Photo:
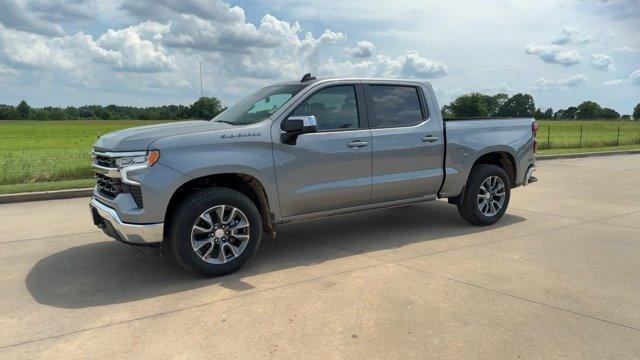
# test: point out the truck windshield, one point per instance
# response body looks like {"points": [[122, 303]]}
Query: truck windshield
{"points": [[259, 105]]}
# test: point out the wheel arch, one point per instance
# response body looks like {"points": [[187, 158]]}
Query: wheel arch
{"points": [[501, 158], [241, 182]]}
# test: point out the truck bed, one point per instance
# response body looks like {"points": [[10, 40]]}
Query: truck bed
{"points": [[468, 139]]}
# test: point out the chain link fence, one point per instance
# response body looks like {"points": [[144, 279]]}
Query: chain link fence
{"points": [[586, 135]]}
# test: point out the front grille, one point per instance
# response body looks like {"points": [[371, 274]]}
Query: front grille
{"points": [[109, 186], [112, 187]]}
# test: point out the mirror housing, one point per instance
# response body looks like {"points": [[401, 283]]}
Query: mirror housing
{"points": [[295, 126]]}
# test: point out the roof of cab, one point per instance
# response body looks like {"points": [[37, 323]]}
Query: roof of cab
{"points": [[323, 80]]}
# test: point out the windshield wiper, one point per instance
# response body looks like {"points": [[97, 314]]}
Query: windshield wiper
{"points": [[226, 122]]}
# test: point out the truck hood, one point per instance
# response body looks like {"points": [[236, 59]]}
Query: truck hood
{"points": [[139, 138]]}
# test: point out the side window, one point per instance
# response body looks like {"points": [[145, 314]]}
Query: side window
{"points": [[335, 108], [395, 106]]}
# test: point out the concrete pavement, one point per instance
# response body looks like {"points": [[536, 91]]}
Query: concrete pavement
{"points": [[556, 278]]}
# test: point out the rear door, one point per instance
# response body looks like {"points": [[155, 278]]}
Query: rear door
{"points": [[407, 142], [330, 169]]}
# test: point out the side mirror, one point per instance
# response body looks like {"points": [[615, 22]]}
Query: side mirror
{"points": [[295, 126]]}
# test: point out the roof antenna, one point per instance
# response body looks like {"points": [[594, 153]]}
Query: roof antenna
{"points": [[201, 92], [307, 77]]}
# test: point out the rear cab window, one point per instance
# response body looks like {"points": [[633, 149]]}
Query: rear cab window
{"points": [[394, 105]]}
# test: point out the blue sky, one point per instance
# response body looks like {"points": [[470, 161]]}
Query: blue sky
{"points": [[143, 52]]}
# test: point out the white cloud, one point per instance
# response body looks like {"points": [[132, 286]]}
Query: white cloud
{"points": [[613, 82], [553, 54], [600, 61], [410, 65], [616, 9], [64, 10], [16, 15], [363, 50], [504, 87], [543, 84], [190, 31], [164, 10], [626, 49], [7, 70], [634, 78], [415, 66], [570, 35], [135, 48]]}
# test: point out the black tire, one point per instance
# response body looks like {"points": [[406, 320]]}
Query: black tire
{"points": [[469, 209], [189, 211]]}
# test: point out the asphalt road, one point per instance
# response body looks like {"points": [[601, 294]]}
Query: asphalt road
{"points": [[558, 277]]}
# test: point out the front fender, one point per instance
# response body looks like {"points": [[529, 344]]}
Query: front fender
{"points": [[197, 157]]}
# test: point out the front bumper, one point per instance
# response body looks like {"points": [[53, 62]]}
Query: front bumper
{"points": [[108, 220]]}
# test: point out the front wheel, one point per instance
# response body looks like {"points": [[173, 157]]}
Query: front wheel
{"points": [[215, 231], [486, 195]]}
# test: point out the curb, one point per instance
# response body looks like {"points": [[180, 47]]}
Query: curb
{"points": [[45, 195], [587, 154]]}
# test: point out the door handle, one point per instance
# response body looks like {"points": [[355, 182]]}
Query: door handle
{"points": [[357, 144], [430, 138]]}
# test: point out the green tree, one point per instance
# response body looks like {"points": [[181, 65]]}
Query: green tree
{"points": [[520, 105], [548, 114], [23, 109], [7, 112], [588, 110], [446, 111], [570, 113], [538, 114], [206, 108], [636, 112], [607, 113], [495, 102], [469, 105]]}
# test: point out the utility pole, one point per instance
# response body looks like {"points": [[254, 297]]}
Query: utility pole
{"points": [[201, 91]]}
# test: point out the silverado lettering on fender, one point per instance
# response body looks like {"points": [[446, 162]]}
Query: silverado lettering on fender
{"points": [[207, 191]]}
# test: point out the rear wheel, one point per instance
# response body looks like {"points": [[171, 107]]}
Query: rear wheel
{"points": [[215, 231], [486, 195]]}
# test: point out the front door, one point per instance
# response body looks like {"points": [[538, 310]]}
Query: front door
{"points": [[330, 169]]}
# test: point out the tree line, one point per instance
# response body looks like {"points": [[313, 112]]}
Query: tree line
{"points": [[523, 105], [469, 105], [203, 108]]}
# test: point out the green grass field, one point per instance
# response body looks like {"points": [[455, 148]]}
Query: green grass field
{"points": [[45, 151], [595, 134], [49, 155]]}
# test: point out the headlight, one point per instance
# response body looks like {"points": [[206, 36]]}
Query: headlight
{"points": [[144, 160]]}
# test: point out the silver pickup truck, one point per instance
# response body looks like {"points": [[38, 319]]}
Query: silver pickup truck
{"points": [[207, 191]]}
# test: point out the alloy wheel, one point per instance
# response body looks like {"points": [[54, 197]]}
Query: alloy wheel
{"points": [[491, 196], [220, 234]]}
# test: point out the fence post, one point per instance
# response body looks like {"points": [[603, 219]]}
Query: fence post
{"points": [[549, 137], [581, 136], [618, 139]]}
